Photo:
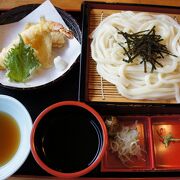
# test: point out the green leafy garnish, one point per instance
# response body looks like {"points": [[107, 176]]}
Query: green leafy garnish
{"points": [[166, 139], [21, 61]]}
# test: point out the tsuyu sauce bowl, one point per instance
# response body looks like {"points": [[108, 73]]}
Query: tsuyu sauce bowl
{"points": [[68, 139]]}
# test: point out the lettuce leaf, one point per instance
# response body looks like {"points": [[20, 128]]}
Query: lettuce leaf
{"points": [[21, 61]]}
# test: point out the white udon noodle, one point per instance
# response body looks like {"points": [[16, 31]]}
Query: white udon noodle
{"points": [[129, 78]]}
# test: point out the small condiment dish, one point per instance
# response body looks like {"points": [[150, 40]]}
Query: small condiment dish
{"points": [[15, 109]]}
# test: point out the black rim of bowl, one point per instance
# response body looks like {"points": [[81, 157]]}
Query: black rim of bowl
{"points": [[20, 12]]}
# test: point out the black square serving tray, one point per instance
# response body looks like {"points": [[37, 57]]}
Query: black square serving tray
{"points": [[73, 87], [90, 87]]}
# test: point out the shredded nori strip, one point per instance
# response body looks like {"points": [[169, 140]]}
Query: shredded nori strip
{"points": [[145, 44]]}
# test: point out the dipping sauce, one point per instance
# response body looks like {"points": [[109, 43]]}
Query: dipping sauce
{"points": [[9, 137], [68, 139]]}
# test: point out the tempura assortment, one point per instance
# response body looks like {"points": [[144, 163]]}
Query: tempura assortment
{"points": [[33, 49]]}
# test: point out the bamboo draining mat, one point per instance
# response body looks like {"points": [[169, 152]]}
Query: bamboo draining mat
{"points": [[98, 89]]}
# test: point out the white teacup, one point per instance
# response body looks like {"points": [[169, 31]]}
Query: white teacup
{"points": [[16, 109]]}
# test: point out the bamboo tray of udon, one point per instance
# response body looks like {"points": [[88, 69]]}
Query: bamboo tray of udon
{"points": [[93, 88]]}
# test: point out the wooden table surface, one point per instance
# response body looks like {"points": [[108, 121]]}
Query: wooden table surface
{"points": [[75, 5]]}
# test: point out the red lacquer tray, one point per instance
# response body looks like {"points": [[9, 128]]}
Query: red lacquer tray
{"points": [[166, 157], [152, 130], [111, 163]]}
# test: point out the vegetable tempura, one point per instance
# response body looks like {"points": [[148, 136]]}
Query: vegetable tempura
{"points": [[41, 36]]}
